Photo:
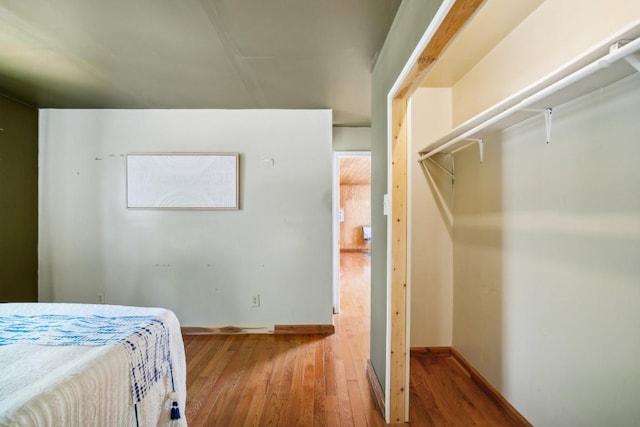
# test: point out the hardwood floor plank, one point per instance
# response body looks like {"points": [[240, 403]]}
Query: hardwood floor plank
{"points": [[330, 367], [423, 410], [445, 394], [470, 402], [280, 384], [200, 351], [260, 386], [217, 395], [246, 386], [344, 404], [319, 389], [253, 395], [228, 402], [199, 387], [357, 409], [333, 412], [308, 384]]}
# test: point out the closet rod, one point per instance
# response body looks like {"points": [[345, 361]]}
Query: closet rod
{"points": [[614, 55]]}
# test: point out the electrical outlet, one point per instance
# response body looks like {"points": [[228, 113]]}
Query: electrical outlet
{"points": [[100, 298], [255, 300]]}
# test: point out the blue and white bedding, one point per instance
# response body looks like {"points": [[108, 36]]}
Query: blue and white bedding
{"points": [[82, 365]]}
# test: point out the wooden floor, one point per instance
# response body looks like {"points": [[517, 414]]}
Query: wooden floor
{"points": [[442, 394], [290, 381]]}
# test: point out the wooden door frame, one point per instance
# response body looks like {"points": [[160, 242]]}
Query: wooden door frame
{"points": [[449, 19]]}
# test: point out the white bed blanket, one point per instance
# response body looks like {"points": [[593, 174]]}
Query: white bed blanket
{"points": [[85, 385]]}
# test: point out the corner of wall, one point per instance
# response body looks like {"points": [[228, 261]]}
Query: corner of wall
{"points": [[351, 138]]}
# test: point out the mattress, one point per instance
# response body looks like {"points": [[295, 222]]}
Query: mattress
{"points": [[84, 364]]}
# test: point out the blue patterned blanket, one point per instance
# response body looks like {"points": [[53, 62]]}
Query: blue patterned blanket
{"points": [[145, 338]]}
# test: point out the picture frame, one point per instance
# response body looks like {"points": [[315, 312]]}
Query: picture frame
{"points": [[183, 181]]}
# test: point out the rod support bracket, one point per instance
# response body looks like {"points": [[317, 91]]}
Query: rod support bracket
{"points": [[480, 142], [547, 122], [451, 173], [547, 118]]}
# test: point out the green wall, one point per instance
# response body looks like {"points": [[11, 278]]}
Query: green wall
{"points": [[18, 201], [410, 23]]}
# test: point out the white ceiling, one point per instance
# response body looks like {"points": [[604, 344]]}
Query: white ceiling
{"points": [[194, 53]]}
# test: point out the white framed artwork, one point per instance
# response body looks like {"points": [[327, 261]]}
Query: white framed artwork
{"points": [[207, 181]]}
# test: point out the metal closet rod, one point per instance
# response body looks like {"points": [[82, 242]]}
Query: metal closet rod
{"points": [[613, 56]]}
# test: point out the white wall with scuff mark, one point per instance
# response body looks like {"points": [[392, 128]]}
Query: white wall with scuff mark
{"points": [[204, 265]]}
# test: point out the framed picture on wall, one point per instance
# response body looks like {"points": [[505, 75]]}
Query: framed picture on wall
{"points": [[207, 181]]}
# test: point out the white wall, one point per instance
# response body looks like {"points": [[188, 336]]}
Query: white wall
{"points": [[204, 265], [547, 261], [430, 223]]}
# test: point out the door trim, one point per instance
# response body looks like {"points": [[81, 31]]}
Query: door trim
{"points": [[337, 155], [447, 22]]}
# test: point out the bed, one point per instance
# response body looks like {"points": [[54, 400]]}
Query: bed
{"points": [[84, 364]]}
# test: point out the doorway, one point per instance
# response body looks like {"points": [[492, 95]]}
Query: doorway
{"points": [[352, 211]]}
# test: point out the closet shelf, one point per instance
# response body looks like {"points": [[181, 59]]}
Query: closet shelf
{"points": [[600, 68]]}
